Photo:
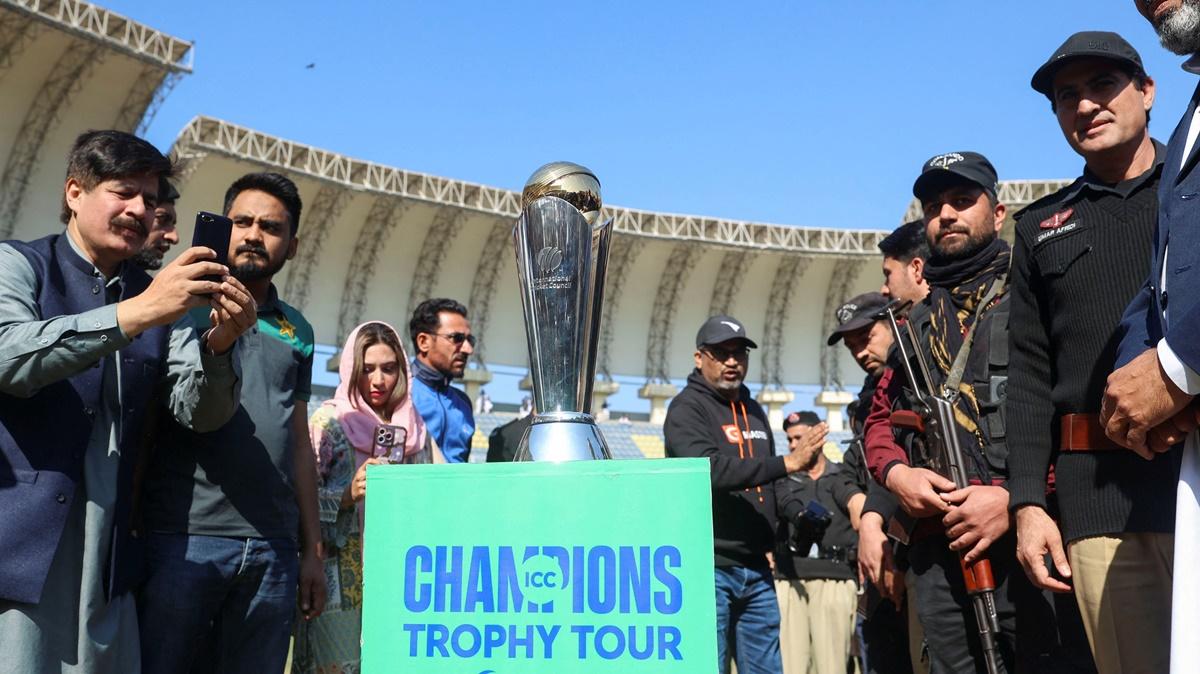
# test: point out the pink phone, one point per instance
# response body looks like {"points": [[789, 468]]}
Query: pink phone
{"points": [[389, 442]]}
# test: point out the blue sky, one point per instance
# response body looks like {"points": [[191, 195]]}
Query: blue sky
{"points": [[803, 113]]}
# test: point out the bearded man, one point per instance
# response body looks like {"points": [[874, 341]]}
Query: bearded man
{"points": [[962, 333], [232, 513]]}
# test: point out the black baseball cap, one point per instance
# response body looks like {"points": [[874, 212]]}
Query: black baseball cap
{"points": [[722, 329], [857, 313], [1085, 44], [954, 168]]}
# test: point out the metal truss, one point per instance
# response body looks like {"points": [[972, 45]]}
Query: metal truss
{"points": [[1015, 194], [64, 80], [372, 238], [17, 30], [666, 306], [445, 226], [144, 99], [621, 258], [787, 276], [322, 218], [483, 286], [729, 280], [110, 29], [139, 97], [239, 142], [840, 281], [185, 166]]}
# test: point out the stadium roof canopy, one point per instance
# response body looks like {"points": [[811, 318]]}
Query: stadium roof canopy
{"points": [[67, 66], [376, 240]]}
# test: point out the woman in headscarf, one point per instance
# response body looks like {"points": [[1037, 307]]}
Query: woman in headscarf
{"points": [[372, 395]]}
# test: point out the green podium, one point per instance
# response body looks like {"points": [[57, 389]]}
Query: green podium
{"points": [[555, 568]]}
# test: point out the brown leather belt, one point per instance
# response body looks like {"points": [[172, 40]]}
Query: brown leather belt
{"points": [[1084, 433]]}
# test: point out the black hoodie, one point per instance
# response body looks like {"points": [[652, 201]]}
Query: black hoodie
{"points": [[736, 439]]}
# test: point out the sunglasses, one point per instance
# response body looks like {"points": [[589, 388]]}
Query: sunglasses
{"points": [[458, 338], [722, 355]]}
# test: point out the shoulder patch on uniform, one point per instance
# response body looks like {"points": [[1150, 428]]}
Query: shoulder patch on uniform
{"points": [[1057, 220], [1052, 200]]}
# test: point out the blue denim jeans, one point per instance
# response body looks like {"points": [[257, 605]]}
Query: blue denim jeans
{"points": [[747, 620], [220, 604]]}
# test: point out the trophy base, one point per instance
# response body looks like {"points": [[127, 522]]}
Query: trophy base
{"points": [[562, 436]]}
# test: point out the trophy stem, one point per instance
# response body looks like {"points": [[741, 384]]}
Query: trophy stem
{"points": [[561, 260]]}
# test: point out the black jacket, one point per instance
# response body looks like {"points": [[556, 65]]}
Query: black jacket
{"points": [[702, 423], [506, 438], [833, 489]]}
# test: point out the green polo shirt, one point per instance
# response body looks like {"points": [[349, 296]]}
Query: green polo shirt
{"points": [[238, 480]]}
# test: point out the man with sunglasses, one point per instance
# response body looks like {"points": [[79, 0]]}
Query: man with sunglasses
{"points": [[442, 339], [714, 417]]}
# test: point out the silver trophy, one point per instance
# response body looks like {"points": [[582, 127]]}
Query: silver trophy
{"points": [[562, 252]]}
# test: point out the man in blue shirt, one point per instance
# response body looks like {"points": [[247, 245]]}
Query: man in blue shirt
{"points": [[441, 336]]}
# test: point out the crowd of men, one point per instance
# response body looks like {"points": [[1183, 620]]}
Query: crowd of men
{"points": [[1009, 500], [159, 484]]}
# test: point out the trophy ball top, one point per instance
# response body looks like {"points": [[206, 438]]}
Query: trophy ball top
{"points": [[573, 183]]}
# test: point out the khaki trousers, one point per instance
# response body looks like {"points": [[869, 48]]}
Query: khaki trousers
{"points": [[816, 627], [1123, 587]]}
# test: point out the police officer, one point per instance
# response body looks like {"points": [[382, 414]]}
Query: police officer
{"points": [[814, 567], [966, 312], [1080, 255], [885, 635]]}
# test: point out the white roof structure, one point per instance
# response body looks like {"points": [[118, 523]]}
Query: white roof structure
{"points": [[67, 66], [376, 240]]}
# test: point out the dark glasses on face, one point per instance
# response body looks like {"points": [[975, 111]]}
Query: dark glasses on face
{"points": [[458, 338], [722, 355]]}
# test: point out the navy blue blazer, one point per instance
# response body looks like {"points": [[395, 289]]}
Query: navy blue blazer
{"points": [[1143, 325], [43, 437]]}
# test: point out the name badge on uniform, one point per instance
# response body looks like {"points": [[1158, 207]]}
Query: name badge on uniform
{"points": [[1063, 229]]}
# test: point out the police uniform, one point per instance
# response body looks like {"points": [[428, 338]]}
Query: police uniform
{"points": [[1028, 638], [1081, 254], [815, 571]]}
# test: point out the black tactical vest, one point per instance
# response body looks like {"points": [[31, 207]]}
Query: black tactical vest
{"points": [[987, 372]]}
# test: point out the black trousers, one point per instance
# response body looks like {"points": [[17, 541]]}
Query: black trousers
{"points": [[885, 638], [1030, 641]]}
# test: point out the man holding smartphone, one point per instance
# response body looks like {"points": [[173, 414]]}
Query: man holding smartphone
{"points": [[87, 342], [232, 513]]}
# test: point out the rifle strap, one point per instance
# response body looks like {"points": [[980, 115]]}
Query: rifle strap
{"points": [[959, 367]]}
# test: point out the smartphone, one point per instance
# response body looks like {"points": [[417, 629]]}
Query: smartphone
{"points": [[213, 231], [389, 442]]}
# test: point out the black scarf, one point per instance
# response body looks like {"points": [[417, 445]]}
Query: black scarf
{"points": [[956, 288]]}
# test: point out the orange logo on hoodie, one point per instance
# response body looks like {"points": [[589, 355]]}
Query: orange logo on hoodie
{"points": [[732, 433]]}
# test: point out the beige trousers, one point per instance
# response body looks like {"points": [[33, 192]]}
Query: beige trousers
{"points": [[1123, 587], [816, 627]]}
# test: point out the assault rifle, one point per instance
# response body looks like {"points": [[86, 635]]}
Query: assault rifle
{"points": [[934, 419]]}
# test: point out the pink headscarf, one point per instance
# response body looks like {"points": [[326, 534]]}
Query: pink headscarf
{"points": [[356, 417]]}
